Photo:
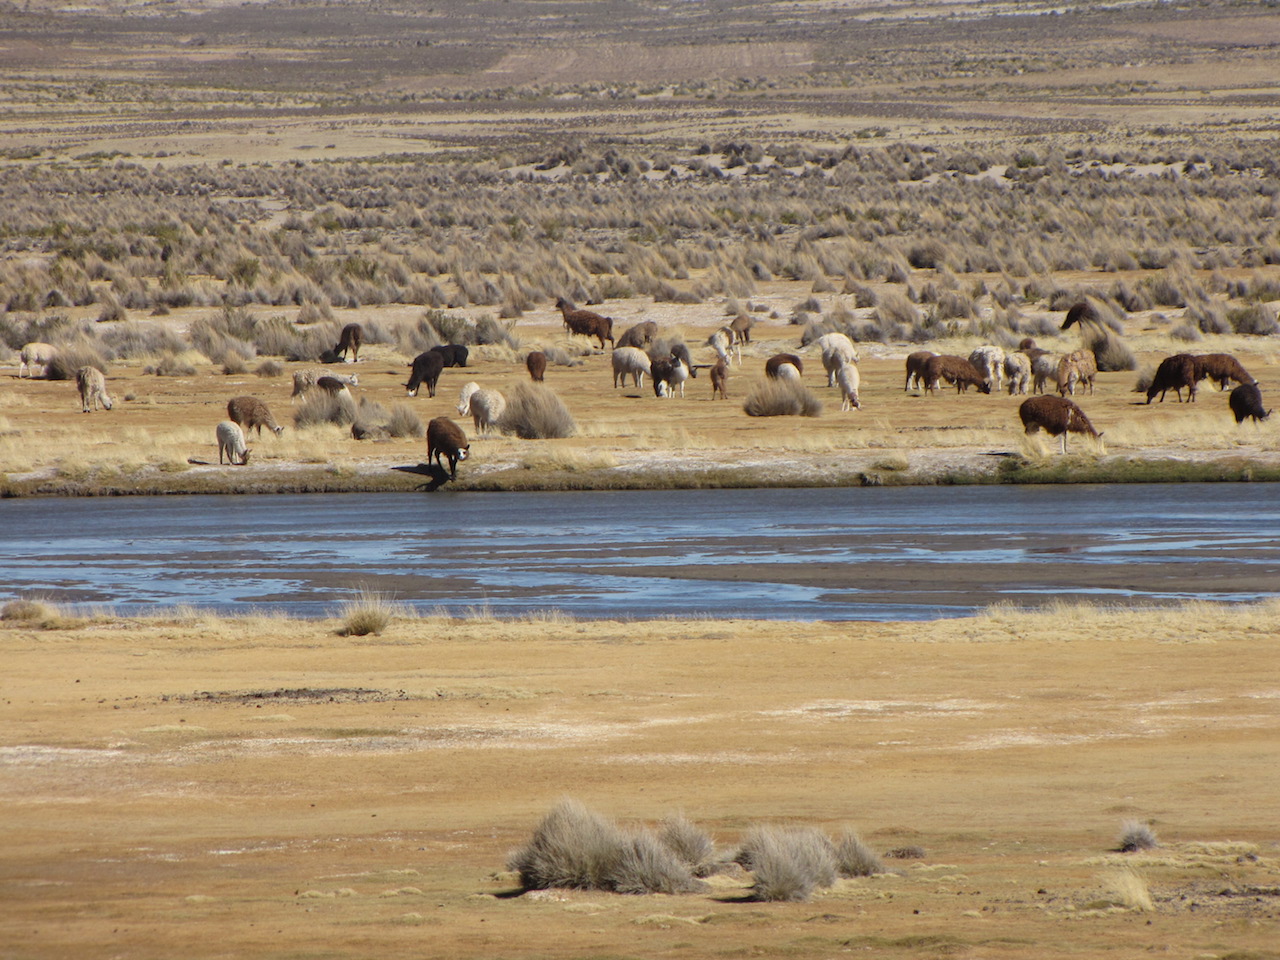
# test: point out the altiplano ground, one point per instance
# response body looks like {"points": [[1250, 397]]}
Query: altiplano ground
{"points": [[268, 787]]}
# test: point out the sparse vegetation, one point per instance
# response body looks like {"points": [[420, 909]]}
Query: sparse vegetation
{"points": [[781, 398]]}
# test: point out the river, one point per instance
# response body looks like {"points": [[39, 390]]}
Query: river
{"points": [[823, 554]]}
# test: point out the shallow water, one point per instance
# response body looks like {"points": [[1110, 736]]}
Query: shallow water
{"points": [[830, 554]]}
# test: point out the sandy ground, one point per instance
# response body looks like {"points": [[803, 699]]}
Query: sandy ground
{"points": [[211, 788]]}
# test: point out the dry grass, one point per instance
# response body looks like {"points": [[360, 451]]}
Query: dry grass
{"points": [[370, 612]]}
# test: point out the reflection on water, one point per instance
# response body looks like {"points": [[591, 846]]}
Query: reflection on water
{"points": [[859, 553]]}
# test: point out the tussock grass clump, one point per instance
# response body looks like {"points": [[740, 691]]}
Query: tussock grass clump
{"points": [[576, 848], [854, 858], [1130, 890], [781, 398], [171, 365], [1257, 319], [1135, 836], [789, 863], [27, 611], [71, 357], [269, 368], [534, 412], [690, 844], [369, 612], [321, 408], [404, 422]]}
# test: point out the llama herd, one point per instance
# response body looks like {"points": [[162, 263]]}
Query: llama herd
{"points": [[641, 352]]}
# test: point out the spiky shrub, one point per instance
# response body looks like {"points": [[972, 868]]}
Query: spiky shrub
{"points": [[1135, 836], [71, 357], [368, 613], [689, 844], [534, 412], [320, 408], [781, 398], [404, 422], [575, 847], [854, 858], [789, 863]]}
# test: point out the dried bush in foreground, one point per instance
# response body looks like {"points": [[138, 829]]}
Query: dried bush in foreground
{"points": [[789, 863], [534, 412], [575, 847], [71, 357], [690, 845], [368, 613], [781, 398]]}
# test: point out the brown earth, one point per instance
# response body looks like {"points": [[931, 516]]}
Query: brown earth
{"points": [[208, 788]]}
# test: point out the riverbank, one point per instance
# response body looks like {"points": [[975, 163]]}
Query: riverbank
{"points": [[684, 473], [268, 786]]}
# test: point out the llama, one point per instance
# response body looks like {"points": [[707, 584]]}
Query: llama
{"points": [[309, 379], [250, 412], [955, 370], [453, 354], [726, 343], [774, 365], [630, 362], [989, 361], [1044, 367], [1077, 367], [485, 406], [1017, 368], [670, 373], [1174, 373], [585, 323], [1221, 368], [638, 335], [849, 380], [1246, 401], [915, 369], [445, 438], [1057, 416], [92, 385], [741, 326], [231, 442], [720, 380], [426, 369], [837, 351], [35, 354], [349, 341], [536, 364]]}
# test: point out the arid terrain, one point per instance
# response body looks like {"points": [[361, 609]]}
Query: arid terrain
{"points": [[269, 787], [198, 195]]}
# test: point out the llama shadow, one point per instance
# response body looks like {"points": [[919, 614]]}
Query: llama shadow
{"points": [[438, 474]]}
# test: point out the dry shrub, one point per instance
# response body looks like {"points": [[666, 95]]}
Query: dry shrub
{"points": [[1135, 835], [131, 340], [404, 422], [1130, 890], [71, 357], [369, 612], [234, 365], [269, 369], [171, 365], [534, 412], [1187, 333], [1257, 319], [789, 863], [781, 398], [575, 847], [894, 307], [854, 858], [690, 844], [28, 611], [1209, 317], [321, 408]]}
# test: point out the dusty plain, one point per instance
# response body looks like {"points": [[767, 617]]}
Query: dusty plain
{"points": [[265, 787], [199, 787]]}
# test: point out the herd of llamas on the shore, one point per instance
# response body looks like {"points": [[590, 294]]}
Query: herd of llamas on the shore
{"points": [[638, 353]]}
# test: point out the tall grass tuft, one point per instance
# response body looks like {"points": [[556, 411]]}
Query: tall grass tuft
{"points": [[781, 398], [71, 357], [321, 408], [534, 412], [1135, 836], [854, 858], [369, 612], [789, 863], [690, 844], [575, 847]]}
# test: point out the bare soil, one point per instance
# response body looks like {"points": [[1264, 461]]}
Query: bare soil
{"points": [[224, 788]]}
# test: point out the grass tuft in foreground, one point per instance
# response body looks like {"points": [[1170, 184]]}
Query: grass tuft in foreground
{"points": [[368, 613]]}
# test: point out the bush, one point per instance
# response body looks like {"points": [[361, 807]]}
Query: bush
{"points": [[789, 863], [405, 423], [269, 368], [320, 408], [1209, 317], [577, 848], [1186, 333], [368, 613], [854, 858], [1136, 836], [71, 357], [781, 398], [690, 845], [534, 412], [171, 365], [1257, 320]]}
